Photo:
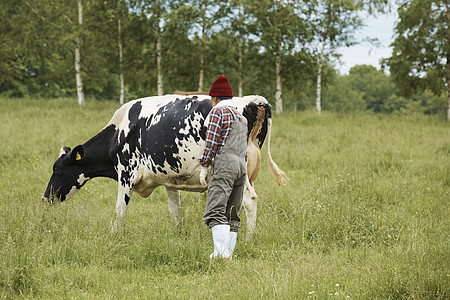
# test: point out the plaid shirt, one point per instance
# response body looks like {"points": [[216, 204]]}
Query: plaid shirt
{"points": [[219, 126]]}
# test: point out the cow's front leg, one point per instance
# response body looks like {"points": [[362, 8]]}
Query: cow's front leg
{"points": [[174, 203], [123, 198], [250, 204]]}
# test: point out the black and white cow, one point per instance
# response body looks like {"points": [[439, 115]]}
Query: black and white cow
{"points": [[156, 141]]}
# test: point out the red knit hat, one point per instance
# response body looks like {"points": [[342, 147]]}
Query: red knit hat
{"points": [[221, 88]]}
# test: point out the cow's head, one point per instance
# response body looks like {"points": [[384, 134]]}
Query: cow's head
{"points": [[68, 176]]}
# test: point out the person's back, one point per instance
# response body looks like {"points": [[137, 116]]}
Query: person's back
{"points": [[225, 149]]}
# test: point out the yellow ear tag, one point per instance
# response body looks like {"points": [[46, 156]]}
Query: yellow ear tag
{"points": [[78, 157]]}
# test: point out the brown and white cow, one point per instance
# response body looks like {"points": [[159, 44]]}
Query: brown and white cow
{"points": [[156, 141]]}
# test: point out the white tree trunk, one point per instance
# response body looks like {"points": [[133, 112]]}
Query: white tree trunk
{"points": [[122, 83], [448, 63], [240, 64], [448, 88], [158, 62], [278, 87], [202, 62], [240, 50], [158, 52], [319, 79], [79, 81]]}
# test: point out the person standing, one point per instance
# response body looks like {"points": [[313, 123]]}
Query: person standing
{"points": [[225, 151]]}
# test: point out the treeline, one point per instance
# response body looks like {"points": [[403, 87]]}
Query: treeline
{"points": [[366, 88], [124, 49]]}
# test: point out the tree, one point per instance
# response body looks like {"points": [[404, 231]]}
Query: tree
{"points": [[180, 58], [155, 11], [280, 25], [15, 55], [79, 81], [420, 58], [158, 48], [374, 86], [109, 28], [68, 25], [236, 20], [335, 27], [122, 80], [342, 96], [206, 14]]}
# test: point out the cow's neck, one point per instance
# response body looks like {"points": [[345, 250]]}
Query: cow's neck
{"points": [[97, 159]]}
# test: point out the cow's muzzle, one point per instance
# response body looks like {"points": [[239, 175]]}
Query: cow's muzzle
{"points": [[49, 200], [52, 196]]}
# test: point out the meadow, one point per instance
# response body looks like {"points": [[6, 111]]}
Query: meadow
{"points": [[365, 215]]}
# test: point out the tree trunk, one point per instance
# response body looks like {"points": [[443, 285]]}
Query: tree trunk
{"points": [[122, 83], [448, 61], [321, 59], [79, 81], [240, 64], [158, 52], [240, 50], [202, 62], [278, 84], [319, 78], [448, 82], [278, 88]]}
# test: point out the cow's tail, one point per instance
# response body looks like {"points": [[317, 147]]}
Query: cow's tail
{"points": [[280, 176]]}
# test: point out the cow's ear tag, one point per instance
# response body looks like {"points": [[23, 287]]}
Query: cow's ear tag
{"points": [[77, 153]]}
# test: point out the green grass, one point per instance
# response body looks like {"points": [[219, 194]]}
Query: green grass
{"points": [[365, 215]]}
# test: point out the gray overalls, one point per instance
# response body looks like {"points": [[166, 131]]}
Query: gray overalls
{"points": [[227, 179]]}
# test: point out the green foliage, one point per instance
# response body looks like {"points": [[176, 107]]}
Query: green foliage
{"points": [[366, 88], [365, 215], [38, 40], [421, 48], [428, 103], [342, 96], [373, 84]]}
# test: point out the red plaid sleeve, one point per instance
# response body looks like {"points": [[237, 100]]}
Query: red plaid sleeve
{"points": [[220, 124], [212, 137]]}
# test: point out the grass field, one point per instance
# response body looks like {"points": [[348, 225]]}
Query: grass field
{"points": [[364, 216]]}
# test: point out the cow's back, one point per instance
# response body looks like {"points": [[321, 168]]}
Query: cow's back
{"points": [[162, 137], [159, 139]]}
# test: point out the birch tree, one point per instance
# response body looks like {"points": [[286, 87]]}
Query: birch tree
{"points": [[205, 11], [58, 18], [79, 81], [155, 12], [204, 22], [235, 19], [280, 25], [203, 15], [420, 59], [160, 88], [119, 12], [121, 76], [336, 23], [240, 37]]}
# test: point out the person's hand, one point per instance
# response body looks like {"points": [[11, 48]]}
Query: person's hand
{"points": [[203, 174]]}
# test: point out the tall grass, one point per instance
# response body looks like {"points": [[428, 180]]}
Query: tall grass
{"points": [[365, 215]]}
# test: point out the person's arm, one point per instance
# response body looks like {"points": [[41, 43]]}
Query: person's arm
{"points": [[212, 138]]}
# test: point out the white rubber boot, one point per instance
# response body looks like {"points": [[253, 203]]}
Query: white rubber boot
{"points": [[231, 243], [220, 235]]}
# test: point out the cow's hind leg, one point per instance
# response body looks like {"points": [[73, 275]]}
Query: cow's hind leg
{"points": [[123, 198], [250, 204], [173, 196]]}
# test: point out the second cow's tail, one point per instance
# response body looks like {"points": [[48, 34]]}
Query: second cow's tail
{"points": [[280, 176]]}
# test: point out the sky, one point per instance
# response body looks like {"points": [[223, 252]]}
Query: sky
{"points": [[380, 27]]}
